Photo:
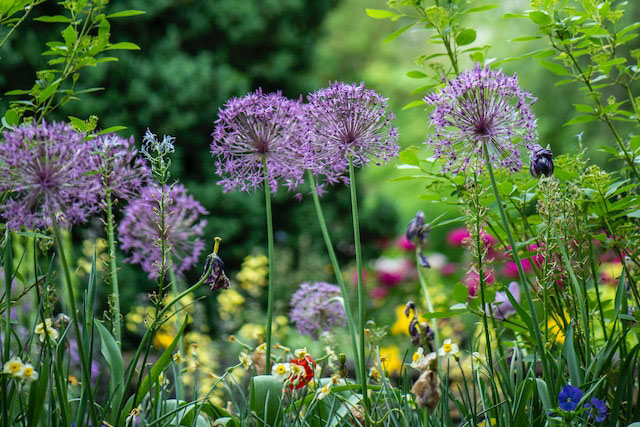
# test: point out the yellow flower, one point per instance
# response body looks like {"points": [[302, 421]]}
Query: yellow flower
{"points": [[163, 340], [556, 334], [251, 331], [230, 303], [448, 349], [245, 360], [324, 391], [374, 373], [492, 422], [390, 359], [401, 326], [177, 357], [253, 274], [13, 367], [45, 329]]}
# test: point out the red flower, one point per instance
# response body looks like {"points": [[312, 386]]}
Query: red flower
{"points": [[309, 366]]}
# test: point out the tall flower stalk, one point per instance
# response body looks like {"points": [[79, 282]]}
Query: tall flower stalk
{"points": [[271, 259]]}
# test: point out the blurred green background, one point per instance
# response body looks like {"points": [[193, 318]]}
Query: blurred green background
{"points": [[195, 54]]}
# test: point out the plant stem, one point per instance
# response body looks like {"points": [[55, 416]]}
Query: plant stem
{"points": [[423, 285], [361, 296], [271, 257], [338, 273], [113, 270], [8, 272], [74, 317], [516, 259]]}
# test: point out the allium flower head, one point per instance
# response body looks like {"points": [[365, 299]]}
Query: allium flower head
{"points": [[121, 168], [482, 107], [597, 409], [253, 129], [569, 397], [140, 231], [348, 120], [315, 307], [46, 169]]}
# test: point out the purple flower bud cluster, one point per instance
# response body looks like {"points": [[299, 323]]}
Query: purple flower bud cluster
{"points": [[141, 230], [290, 137], [482, 108], [316, 307]]}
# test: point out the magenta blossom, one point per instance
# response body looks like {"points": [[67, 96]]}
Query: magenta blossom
{"points": [[472, 281]]}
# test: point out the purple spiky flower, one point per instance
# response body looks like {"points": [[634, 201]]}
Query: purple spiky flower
{"points": [[348, 120], [47, 171], [482, 107], [254, 129], [317, 307], [122, 170], [141, 232]]}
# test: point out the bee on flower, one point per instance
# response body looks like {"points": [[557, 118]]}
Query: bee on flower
{"points": [[448, 349], [45, 329]]}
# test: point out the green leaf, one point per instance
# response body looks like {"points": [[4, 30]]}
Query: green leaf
{"points": [[444, 314], [414, 104], [55, 18], [111, 129], [11, 118], [554, 68], [465, 37], [575, 373], [416, 75], [48, 92], [409, 156], [70, 35], [540, 18], [482, 8], [123, 46], [580, 119], [380, 13], [582, 108], [78, 123], [460, 293], [396, 33], [514, 16], [265, 399], [477, 57], [112, 355], [525, 39], [543, 392], [125, 13]]}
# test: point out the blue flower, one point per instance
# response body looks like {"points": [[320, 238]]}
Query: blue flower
{"points": [[569, 397], [597, 409]]}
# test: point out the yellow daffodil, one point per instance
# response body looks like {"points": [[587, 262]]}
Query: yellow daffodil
{"points": [[45, 329]]}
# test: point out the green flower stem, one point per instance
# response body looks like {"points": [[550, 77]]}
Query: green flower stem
{"points": [[8, 272], [86, 381], [338, 273], [270, 255], [516, 259], [174, 290], [361, 296], [113, 272], [423, 285]]}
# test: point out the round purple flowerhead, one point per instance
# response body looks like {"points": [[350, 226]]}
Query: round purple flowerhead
{"points": [[569, 397], [46, 169], [141, 233], [122, 170], [316, 307], [596, 409], [482, 107], [348, 120], [254, 129]]}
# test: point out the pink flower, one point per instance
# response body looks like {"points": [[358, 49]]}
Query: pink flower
{"points": [[457, 236], [392, 271], [449, 268], [510, 269], [403, 243], [379, 293], [472, 281]]}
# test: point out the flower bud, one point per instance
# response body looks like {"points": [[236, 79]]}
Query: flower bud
{"points": [[541, 163], [216, 278]]}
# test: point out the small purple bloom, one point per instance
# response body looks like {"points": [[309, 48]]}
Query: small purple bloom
{"points": [[140, 230], [122, 170], [482, 107], [597, 409], [569, 397], [502, 308], [255, 129], [46, 170], [348, 120], [317, 307]]}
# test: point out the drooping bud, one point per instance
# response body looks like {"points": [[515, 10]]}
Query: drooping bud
{"points": [[416, 233], [541, 163], [214, 265]]}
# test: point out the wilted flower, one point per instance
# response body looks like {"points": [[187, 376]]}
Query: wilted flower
{"points": [[541, 162], [482, 107], [569, 397], [122, 170], [348, 120], [216, 278], [256, 129], [416, 233], [427, 389], [317, 307], [47, 171], [140, 230], [45, 329], [448, 349], [597, 409]]}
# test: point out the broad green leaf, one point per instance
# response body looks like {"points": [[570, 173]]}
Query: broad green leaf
{"points": [[543, 392], [48, 92], [123, 46], [11, 118], [125, 13], [70, 35], [575, 373], [78, 123], [396, 33], [112, 355], [414, 104], [111, 129], [380, 13], [482, 8], [580, 119], [465, 37], [416, 75], [460, 293], [477, 57], [539, 18], [554, 68], [55, 18], [525, 39], [265, 399]]}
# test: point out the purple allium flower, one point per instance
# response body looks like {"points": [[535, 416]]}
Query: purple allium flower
{"points": [[597, 409], [255, 128], [121, 168], [502, 308], [316, 307], [569, 397], [479, 107], [140, 230], [348, 120], [46, 170], [416, 233]]}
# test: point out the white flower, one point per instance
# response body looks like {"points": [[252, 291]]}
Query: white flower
{"points": [[417, 359], [245, 360], [479, 358], [301, 353], [45, 329], [27, 373], [281, 371], [13, 367], [448, 349], [324, 391], [297, 374]]}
